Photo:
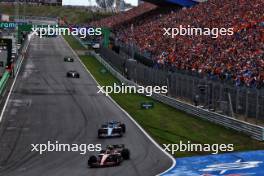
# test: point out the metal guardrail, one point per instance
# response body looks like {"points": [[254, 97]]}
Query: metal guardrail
{"points": [[6, 75], [37, 18], [80, 41], [21, 55], [3, 82], [254, 131], [220, 94]]}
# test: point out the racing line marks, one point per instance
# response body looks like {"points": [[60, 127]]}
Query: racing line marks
{"points": [[128, 115]]}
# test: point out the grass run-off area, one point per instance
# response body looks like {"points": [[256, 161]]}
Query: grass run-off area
{"points": [[168, 125], [74, 15], [75, 45]]}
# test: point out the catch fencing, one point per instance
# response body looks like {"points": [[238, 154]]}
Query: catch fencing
{"points": [[22, 53], [255, 131], [17, 62], [239, 102]]}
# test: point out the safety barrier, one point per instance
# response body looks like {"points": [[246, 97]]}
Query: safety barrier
{"points": [[80, 41], [23, 18], [3, 82], [17, 64], [255, 131], [21, 55]]}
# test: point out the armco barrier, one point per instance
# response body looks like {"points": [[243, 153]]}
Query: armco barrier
{"points": [[221, 96], [3, 82], [80, 41], [18, 62], [255, 131], [21, 55]]}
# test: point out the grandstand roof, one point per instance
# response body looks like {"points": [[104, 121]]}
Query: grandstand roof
{"points": [[184, 3]]}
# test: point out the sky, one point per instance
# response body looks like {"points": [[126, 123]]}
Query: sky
{"points": [[90, 2]]}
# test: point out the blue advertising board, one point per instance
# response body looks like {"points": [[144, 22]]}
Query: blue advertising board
{"points": [[229, 164], [185, 3]]}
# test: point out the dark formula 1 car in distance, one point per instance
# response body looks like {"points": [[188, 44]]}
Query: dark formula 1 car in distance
{"points": [[68, 59], [113, 155], [111, 129], [73, 74]]}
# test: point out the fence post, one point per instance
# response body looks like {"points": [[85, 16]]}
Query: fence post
{"points": [[237, 99], [169, 83], [180, 85], [213, 97], [174, 82], [193, 90], [221, 92], [177, 85], [257, 106], [246, 113], [230, 105]]}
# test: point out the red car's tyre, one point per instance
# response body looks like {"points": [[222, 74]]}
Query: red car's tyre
{"points": [[92, 160], [125, 154], [117, 160]]}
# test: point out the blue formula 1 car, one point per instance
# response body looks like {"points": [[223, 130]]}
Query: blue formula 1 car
{"points": [[111, 129]]}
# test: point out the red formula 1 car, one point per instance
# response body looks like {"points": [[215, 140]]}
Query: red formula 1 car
{"points": [[113, 155]]}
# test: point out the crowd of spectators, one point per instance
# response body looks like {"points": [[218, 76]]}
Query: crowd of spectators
{"points": [[239, 57]]}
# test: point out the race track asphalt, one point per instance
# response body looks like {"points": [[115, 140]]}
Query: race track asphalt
{"points": [[46, 106]]}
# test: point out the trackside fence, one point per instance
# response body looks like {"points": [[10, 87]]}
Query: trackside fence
{"points": [[17, 63], [158, 77], [216, 95], [3, 82], [22, 54]]}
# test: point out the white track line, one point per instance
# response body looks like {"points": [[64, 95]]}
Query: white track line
{"points": [[128, 115], [13, 84]]}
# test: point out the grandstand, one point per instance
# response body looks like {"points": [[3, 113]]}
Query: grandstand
{"points": [[238, 57], [225, 73]]}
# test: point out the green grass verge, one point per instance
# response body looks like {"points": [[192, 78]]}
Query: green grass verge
{"points": [[168, 125], [73, 42]]}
